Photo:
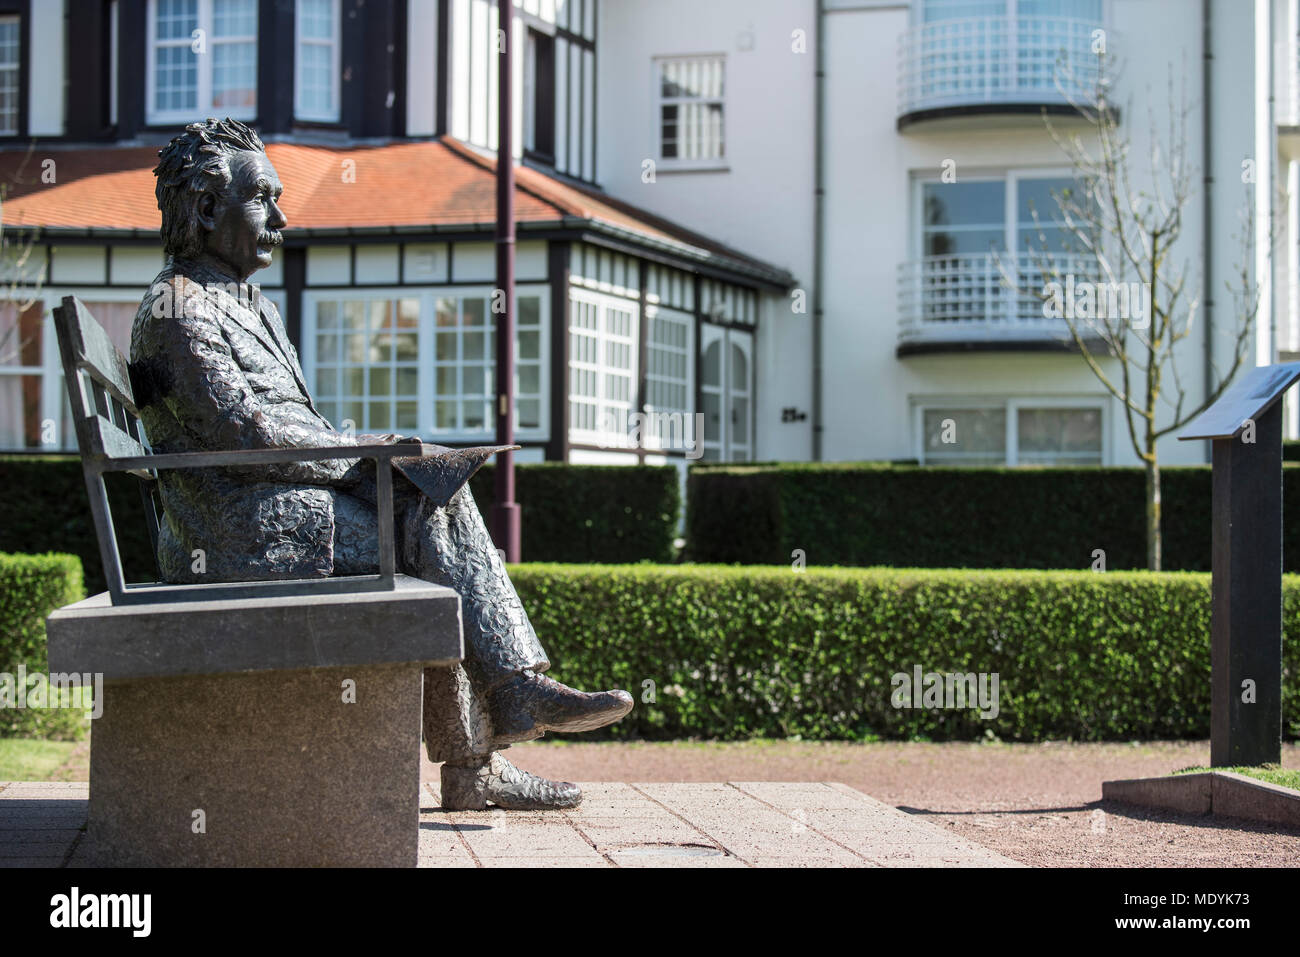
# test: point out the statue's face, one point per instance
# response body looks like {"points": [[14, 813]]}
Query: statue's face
{"points": [[243, 223]]}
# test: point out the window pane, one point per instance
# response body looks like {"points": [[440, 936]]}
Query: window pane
{"points": [[963, 218], [234, 75], [1065, 436], [528, 414], [176, 78], [316, 60], [475, 416], [965, 204], [9, 74], [317, 18], [234, 18], [965, 436], [177, 19]]}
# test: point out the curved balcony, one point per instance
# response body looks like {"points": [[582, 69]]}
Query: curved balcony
{"points": [[1003, 65], [967, 303]]}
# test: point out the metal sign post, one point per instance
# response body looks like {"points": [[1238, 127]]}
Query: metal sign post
{"points": [[1245, 425]]}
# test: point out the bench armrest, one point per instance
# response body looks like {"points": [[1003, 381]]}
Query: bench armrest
{"points": [[381, 454], [194, 460]]}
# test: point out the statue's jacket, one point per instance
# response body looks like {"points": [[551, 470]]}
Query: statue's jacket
{"points": [[210, 374]]}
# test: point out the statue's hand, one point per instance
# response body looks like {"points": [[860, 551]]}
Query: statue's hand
{"points": [[386, 438]]}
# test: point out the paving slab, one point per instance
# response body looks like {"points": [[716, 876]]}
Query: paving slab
{"points": [[743, 824]]}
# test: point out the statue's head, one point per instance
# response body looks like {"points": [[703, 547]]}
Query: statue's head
{"points": [[219, 196]]}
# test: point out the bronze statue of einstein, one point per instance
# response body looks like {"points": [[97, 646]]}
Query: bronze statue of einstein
{"points": [[214, 370]]}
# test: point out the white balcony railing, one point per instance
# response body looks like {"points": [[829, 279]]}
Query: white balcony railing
{"points": [[970, 298], [999, 60]]}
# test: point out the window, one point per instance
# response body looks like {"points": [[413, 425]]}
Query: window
{"points": [[602, 367], [727, 393], [668, 376], [465, 364], [420, 362], [539, 95], [316, 87], [367, 364], [976, 232], [202, 59], [10, 75], [1012, 432], [34, 410], [21, 370], [690, 92]]}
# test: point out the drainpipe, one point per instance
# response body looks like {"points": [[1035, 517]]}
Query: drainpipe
{"points": [[819, 226], [1273, 167], [1207, 146]]}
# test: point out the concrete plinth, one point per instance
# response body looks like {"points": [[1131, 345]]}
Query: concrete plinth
{"points": [[279, 732]]}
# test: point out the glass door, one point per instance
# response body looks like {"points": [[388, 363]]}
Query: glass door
{"points": [[727, 391]]}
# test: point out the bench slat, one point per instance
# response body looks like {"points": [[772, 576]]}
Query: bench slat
{"points": [[111, 442], [93, 351]]}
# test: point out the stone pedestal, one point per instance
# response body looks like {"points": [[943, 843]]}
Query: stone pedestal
{"points": [[278, 732]]}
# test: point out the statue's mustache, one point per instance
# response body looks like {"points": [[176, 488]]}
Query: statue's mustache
{"points": [[271, 237]]}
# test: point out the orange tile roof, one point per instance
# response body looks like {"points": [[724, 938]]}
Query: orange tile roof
{"points": [[407, 184]]}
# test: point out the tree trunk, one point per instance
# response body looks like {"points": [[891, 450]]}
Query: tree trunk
{"points": [[1153, 514]]}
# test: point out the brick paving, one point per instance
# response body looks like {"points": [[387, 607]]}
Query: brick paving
{"points": [[758, 824]]}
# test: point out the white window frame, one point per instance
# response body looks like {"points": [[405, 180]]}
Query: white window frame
{"points": [[1011, 405], [657, 313], [336, 42], [1010, 178], [427, 329], [659, 100], [203, 106], [618, 439]]}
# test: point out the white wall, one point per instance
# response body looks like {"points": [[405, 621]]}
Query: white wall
{"points": [[761, 204]]}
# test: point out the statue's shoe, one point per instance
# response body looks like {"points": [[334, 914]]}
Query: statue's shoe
{"points": [[531, 704], [499, 781]]}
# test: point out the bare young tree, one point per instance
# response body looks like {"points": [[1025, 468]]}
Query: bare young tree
{"points": [[1140, 301]]}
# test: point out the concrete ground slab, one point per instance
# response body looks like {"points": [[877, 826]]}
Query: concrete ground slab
{"points": [[696, 825]]}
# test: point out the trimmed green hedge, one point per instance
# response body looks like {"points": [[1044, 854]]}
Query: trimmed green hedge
{"points": [[592, 513], [570, 513], [767, 652], [32, 586], [45, 509], [875, 514]]}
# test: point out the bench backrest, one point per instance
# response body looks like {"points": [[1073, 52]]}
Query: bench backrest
{"points": [[107, 424], [112, 439]]}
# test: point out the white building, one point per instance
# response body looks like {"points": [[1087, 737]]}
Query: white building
{"points": [[673, 254], [914, 89]]}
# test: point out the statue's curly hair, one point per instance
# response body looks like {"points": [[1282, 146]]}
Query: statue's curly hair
{"points": [[193, 163]]}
